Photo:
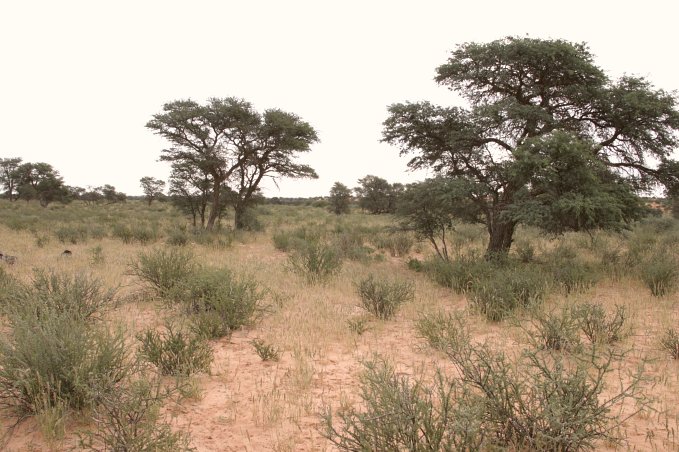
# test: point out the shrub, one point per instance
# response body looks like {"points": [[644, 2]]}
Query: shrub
{"points": [[573, 275], [382, 297], [504, 290], [175, 352], [144, 234], [249, 221], [59, 360], [443, 331], [670, 342], [555, 331], [163, 269], [598, 326], [402, 413], [316, 262], [525, 252], [267, 352], [398, 244], [79, 296], [177, 237], [96, 255], [220, 303], [545, 403], [129, 419], [458, 274], [660, 274], [71, 234], [122, 232], [358, 325]]}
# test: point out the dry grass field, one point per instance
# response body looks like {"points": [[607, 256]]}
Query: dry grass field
{"points": [[318, 336]]}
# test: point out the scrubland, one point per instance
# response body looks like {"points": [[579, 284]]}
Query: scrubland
{"points": [[315, 331]]}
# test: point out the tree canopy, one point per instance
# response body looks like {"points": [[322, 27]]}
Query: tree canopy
{"points": [[546, 137], [234, 146], [340, 198], [152, 187]]}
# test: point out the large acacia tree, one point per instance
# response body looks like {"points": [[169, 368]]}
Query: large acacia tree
{"points": [[546, 137], [234, 145]]}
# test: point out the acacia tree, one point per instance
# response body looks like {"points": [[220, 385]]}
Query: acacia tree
{"points": [[340, 198], [42, 182], [152, 187], [540, 113], [234, 145], [376, 195], [9, 175], [190, 191]]}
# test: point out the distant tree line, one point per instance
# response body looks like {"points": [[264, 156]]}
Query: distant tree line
{"points": [[42, 183]]}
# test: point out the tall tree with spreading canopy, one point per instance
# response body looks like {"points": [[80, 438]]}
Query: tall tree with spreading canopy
{"points": [[546, 139], [152, 187], [42, 182], [234, 145]]}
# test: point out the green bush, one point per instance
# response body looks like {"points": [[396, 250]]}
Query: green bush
{"points": [[79, 296], [504, 290], [398, 244], [660, 274], [555, 331], [122, 232], [403, 414], [525, 252], [598, 326], [177, 237], [57, 359], [382, 297], [267, 352], [220, 303], [316, 262], [72, 234], [442, 331], [573, 276], [175, 352], [458, 274], [164, 269]]}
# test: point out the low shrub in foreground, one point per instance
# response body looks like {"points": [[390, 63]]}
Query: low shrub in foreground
{"points": [[78, 295], [57, 359], [600, 326], [163, 269], [219, 302], [175, 352], [316, 263], [130, 419], [670, 342], [382, 297], [540, 403]]}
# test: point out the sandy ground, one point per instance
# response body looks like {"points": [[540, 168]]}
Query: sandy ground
{"points": [[246, 404]]}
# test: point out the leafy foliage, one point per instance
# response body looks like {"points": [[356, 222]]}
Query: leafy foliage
{"points": [[382, 297]]}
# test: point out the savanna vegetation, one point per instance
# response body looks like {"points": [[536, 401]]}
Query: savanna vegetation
{"points": [[523, 298]]}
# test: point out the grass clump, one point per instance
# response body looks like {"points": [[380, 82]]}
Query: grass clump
{"points": [[382, 297], [175, 352], [670, 342], [504, 290], [219, 303], [316, 262], [660, 274], [164, 269], [358, 325], [268, 352]]}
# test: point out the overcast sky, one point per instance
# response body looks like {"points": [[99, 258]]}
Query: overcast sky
{"points": [[80, 79]]}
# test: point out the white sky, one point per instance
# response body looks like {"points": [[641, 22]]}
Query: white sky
{"points": [[80, 79]]}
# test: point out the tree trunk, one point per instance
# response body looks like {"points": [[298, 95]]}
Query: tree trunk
{"points": [[500, 239], [238, 217], [215, 207]]}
